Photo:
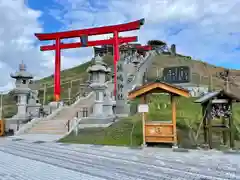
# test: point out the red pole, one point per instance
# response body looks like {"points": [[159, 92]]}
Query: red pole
{"points": [[116, 58], [57, 71]]}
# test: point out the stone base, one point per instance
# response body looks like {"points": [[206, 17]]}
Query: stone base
{"points": [[122, 107], [20, 118], [15, 123]]}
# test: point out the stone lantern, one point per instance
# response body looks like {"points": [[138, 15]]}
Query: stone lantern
{"points": [[98, 73], [21, 92]]}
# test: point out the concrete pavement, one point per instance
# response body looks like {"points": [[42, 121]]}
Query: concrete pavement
{"points": [[40, 161]]}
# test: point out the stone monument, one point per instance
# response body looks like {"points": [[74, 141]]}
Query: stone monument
{"points": [[103, 105], [27, 99], [122, 107]]}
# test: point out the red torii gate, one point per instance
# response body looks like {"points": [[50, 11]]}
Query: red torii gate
{"points": [[83, 34]]}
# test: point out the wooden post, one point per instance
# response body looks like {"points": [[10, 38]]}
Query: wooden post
{"points": [[44, 94], [174, 119], [209, 125], [157, 72], [143, 124], [205, 131], [231, 134], [69, 96], [143, 101], [224, 133]]}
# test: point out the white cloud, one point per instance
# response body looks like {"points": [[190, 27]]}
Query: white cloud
{"points": [[18, 23], [207, 30], [18, 43]]}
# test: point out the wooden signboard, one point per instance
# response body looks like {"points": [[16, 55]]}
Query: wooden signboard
{"points": [[160, 132], [177, 75]]}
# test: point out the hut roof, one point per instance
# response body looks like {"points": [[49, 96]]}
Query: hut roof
{"points": [[158, 85]]}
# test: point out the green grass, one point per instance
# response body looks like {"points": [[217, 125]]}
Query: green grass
{"points": [[119, 133], [188, 120]]}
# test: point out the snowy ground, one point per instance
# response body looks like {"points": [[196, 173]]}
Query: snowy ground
{"points": [[20, 160]]}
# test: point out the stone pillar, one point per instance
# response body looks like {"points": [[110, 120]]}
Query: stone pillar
{"points": [[122, 108]]}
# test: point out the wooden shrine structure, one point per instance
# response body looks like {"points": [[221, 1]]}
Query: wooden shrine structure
{"points": [[159, 131], [218, 105]]}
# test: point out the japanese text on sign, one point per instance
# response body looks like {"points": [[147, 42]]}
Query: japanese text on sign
{"points": [[120, 82], [179, 74]]}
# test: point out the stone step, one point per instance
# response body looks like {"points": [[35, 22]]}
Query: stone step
{"points": [[51, 124], [48, 128], [48, 132], [62, 132]]}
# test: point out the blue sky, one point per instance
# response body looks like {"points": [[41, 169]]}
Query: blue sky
{"points": [[206, 30], [49, 22]]}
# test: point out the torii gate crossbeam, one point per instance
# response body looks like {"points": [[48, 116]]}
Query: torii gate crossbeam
{"points": [[83, 34]]}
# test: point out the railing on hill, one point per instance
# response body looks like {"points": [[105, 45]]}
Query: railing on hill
{"points": [[82, 93], [66, 96], [69, 81]]}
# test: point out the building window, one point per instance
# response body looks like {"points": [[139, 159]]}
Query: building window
{"points": [[24, 81]]}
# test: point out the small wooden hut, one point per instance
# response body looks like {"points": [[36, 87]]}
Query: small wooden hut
{"points": [[218, 105], [159, 131]]}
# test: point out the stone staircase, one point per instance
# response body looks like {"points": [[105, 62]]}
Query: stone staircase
{"points": [[57, 125]]}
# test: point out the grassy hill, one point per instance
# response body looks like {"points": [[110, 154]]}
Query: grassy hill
{"points": [[188, 116], [71, 78]]}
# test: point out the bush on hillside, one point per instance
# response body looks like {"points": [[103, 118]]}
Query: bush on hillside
{"points": [[156, 43]]}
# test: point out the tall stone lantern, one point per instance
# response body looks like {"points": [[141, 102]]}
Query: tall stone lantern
{"points": [[98, 73], [21, 92]]}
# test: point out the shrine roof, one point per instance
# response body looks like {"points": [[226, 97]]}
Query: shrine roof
{"points": [[99, 66], [22, 74], [158, 85], [214, 94]]}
